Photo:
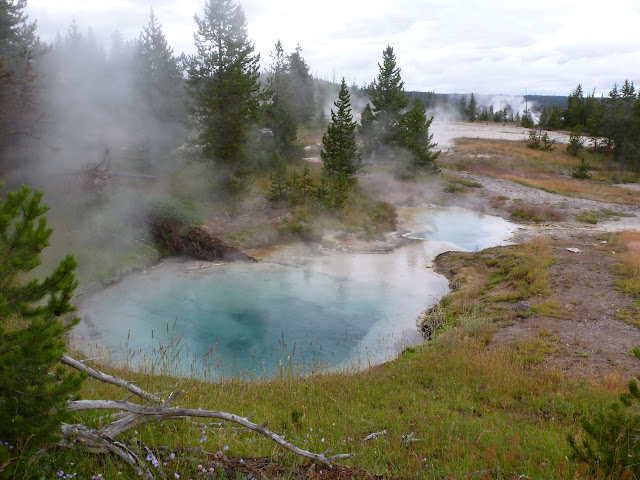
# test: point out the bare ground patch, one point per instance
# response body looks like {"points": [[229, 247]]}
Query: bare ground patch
{"points": [[584, 337]]}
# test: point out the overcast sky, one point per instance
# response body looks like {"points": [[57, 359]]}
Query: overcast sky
{"points": [[449, 46]]}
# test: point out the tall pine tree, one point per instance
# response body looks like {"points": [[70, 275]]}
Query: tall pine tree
{"points": [[160, 79], [388, 101], [280, 110], [340, 154], [223, 81]]}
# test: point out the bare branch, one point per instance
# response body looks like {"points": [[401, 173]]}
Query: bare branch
{"points": [[173, 412], [94, 442], [67, 360]]}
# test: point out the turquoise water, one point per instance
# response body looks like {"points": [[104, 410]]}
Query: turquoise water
{"points": [[470, 231], [302, 308]]}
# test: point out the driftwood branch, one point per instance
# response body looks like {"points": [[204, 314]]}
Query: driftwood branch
{"points": [[173, 412], [103, 377], [103, 440]]}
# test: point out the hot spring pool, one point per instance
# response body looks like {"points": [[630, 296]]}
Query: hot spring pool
{"points": [[301, 309]]}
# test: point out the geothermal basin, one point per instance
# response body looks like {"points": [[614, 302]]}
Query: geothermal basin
{"points": [[302, 309]]}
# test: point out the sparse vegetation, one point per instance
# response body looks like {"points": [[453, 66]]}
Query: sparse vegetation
{"points": [[534, 213]]}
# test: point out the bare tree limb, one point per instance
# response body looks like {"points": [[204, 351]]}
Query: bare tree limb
{"points": [[67, 360], [94, 442], [172, 412]]}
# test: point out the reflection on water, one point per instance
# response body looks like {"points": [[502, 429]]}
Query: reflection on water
{"points": [[468, 230], [301, 307]]}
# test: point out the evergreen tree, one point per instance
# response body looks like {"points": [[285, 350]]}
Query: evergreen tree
{"points": [[472, 109], [544, 118], [340, 154], [555, 119], [462, 108], [223, 81], [159, 75], [33, 391], [527, 120], [415, 137], [280, 111], [302, 99], [388, 101], [18, 91]]}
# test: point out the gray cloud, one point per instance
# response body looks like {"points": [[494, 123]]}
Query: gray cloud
{"points": [[491, 46]]}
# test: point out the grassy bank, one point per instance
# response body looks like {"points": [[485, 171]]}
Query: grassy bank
{"points": [[546, 170], [456, 407]]}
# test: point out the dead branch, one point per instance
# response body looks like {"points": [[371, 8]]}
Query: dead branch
{"points": [[103, 377], [103, 440], [94, 442], [173, 412]]}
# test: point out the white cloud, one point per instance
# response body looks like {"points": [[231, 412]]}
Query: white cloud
{"points": [[491, 46]]}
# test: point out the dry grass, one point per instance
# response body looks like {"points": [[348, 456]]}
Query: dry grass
{"points": [[535, 213], [549, 171], [630, 258]]}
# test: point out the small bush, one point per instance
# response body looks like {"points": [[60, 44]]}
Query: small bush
{"points": [[581, 171], [536, 214], [612, 443], [166, 207]]}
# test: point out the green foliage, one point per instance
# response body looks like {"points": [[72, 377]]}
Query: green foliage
{"points": [[612, 443], [388, 101], [301, 187], [160, 79], [539, 140], [340, 153], [581, 171], [334, 191], [223, 81], [415, 137], [576, 142], [278, 177], [471, 110], [527, 121], [281, 111], [161, 207], [33, 391]]}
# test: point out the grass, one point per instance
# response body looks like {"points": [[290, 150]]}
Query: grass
{"points": [[535, 213], [594, 216], [548, 171], [472, 411]]}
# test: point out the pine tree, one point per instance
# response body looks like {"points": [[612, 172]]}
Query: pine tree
{"points": [[159, 75], [19, 45], [302, 85], [388, 101], [472, 109], [223, 80], [33, 391], [340, 154], [415, 137], [280, 112]]}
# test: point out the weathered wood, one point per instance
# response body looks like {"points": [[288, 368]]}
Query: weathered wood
{"points": [[172, 412], [103, 377], [102, 441]]}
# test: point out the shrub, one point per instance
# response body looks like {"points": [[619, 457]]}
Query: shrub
{"points": [[612, 443], [581, 171], [166, 207]]}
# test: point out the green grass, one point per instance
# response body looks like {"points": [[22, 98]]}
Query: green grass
{"points": [[594, 216]]}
